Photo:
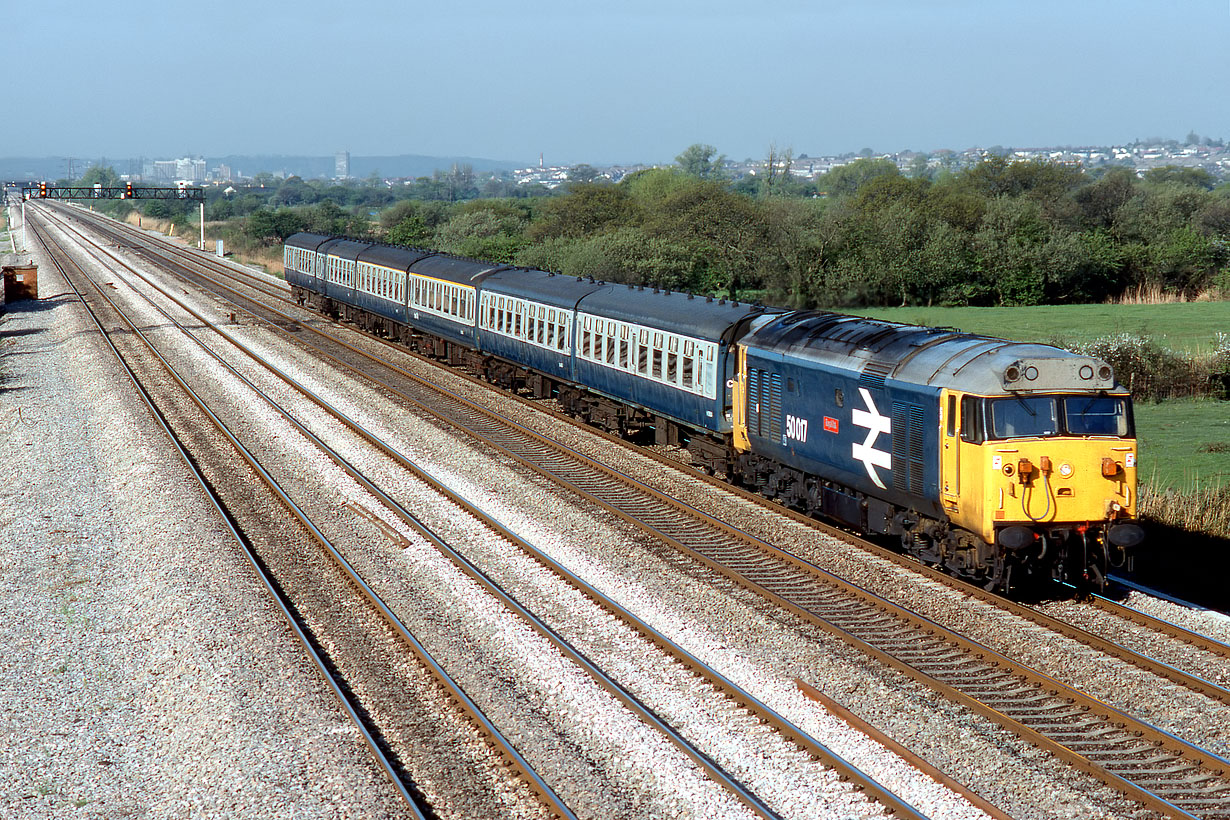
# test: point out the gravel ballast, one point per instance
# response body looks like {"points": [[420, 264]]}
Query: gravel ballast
{"points": [[145, 672], [181, 691]]}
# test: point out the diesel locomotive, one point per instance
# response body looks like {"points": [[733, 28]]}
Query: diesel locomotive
{"points": [[1000, 461]]}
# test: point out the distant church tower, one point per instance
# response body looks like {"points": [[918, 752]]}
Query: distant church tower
{"points": [[341, 165]]}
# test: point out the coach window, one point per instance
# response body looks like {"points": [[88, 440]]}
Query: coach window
{"points": [[623, 347]]}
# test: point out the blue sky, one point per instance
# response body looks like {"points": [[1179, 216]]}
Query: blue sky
{"points": [[606, 82]]}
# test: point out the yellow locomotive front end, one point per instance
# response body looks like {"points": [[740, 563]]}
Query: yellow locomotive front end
{"points": [[1046, 477]]}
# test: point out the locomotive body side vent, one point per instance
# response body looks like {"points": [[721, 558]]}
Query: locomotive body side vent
{"points": [[908, 447], [874, 373]]}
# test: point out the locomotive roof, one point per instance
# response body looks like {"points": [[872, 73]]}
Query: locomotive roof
{"points": [[934, 356], [540, 286], [683, 313]]}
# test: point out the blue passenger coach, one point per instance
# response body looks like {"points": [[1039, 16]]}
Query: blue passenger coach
{"points": [[670, 353], [525, 316], [300, 260]]}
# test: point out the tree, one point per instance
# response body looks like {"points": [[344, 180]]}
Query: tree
{"points": [[103, 175], [697, 160], [1180, 175], [582, 174], [293, 191], [585, 209], [482, 234], [730, 231], [777, 169], [845, 180], [1101, 200], [272, 227]]}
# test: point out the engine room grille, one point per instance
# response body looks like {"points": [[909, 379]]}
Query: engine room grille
{"points": [[764, 403], [908, 447], [874, 373]]}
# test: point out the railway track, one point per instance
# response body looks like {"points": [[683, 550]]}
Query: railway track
{"points": [[278, 290], [304, 612], [1153, 767], [737, 698]]}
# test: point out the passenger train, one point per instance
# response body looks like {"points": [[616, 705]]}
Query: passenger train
{"points": [[1001, 462]]}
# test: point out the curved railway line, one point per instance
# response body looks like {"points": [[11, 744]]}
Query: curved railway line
{"points": [[1159, 770], [738, 697]]}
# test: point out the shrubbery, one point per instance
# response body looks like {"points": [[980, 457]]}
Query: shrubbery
{"points": [[1152, 372]]}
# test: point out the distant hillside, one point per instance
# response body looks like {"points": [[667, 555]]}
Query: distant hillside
{"points": [[405, 165]]}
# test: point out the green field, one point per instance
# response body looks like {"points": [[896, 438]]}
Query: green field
{"points": [[1183, 444], [1181, 326]]}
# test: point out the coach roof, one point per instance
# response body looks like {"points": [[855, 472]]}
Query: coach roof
{"points": [[540, 286], [682, 313]]}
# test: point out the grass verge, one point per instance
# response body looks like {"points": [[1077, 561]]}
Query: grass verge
{"points": [[1189, 327]]}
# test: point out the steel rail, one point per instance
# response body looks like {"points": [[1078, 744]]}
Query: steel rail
{"points": [[1181, 677], [409, 792], [805, 742], [353, 709], [1160, 738]]}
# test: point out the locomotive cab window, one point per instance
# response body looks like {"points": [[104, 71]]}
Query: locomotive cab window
{"points": [[971, 419], [1041, 416], [1023, 417], [1097, 416]]}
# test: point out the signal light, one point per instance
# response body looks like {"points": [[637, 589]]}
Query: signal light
{"points": [[128, 191], [42, 189]]}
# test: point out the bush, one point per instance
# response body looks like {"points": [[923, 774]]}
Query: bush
{"points": [[1149, 370]]}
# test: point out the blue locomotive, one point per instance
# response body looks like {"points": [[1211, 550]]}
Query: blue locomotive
{"points": [[993, 459]]}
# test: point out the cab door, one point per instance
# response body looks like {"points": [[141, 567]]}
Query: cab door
{"points": [[950, 451]]}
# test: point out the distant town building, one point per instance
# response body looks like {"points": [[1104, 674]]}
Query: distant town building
{"points": [[341, 165], [172, 170]]}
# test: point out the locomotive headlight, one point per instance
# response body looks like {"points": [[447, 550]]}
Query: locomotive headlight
{"points": [[1065, 470]]}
